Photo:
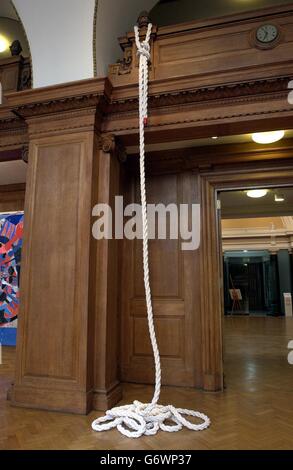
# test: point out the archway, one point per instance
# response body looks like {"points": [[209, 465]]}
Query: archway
{"points": [[65, 47]]}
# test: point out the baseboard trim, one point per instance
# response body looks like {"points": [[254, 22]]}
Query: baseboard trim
{"points": [[65, 401], [9, 392], [213, 382], [105, 399]]}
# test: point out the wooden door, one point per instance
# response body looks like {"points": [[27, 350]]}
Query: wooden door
{"points": [[175, 289]]}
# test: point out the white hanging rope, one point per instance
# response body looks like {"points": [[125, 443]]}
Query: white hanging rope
{"points": [[140, 419]]}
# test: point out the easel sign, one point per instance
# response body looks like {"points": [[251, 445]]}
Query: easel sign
{"points": [[236, 296]]}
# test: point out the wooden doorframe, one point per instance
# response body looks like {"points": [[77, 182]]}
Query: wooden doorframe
{"points": [[277, 175]]}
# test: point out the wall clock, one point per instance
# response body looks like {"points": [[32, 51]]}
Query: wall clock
{"points": [[266, 35]]}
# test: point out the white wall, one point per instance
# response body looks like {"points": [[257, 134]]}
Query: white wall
{"points": [[115, 18], [60, 34]]}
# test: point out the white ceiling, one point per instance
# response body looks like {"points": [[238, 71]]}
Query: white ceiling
{"points": [[226, 139], [7, 10], [236, 204], [12, 172]]}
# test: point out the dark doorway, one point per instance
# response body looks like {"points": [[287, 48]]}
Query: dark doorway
{"points": [[255, 274], [257, 229]]}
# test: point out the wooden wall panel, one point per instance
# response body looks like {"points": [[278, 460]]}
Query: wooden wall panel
{"points": [[12, 197], [66, 354], [213, 51], [54, 244], [54, 320], [15, 74], [164, 283], [169, 332], [223, 50]]}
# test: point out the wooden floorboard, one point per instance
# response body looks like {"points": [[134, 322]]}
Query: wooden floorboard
{"points": [[254, 412]]}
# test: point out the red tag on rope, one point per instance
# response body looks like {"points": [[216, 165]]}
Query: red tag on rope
{"points": [[145, 121]]}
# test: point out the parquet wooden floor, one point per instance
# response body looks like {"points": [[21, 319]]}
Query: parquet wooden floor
{"points": [[254, 412]]}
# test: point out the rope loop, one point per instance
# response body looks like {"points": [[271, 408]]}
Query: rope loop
{"points": [[147, 419], [133, 421]]}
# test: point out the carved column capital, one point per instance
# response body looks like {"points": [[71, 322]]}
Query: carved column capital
{"points": [[24, 153], [109, 143]]}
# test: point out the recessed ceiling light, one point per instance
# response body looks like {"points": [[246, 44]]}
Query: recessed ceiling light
{"points": [[4, 44], [279, 198], [245, 251], [215, 137], [267, 137], [256, 193]]}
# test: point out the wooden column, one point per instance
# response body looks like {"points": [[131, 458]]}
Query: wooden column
{"points": [[107, 387], [56, 337], [211, 295]]}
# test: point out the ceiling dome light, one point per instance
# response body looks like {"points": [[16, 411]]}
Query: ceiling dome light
{"points": [[267, 137], [256, 193], [4, 44]]}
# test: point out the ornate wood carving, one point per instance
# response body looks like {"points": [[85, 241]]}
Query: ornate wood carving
{"points": [[107, 143], [111, 144], [144, 19], [122, 66], [25, 81], [58, 106], [25, 153], [13, 130]]}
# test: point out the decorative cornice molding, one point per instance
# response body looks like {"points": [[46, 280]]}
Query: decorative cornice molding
{"points": [[235, 92], [11, 124], [8, 120], [74, 103], [255, 232], [96, 95], [168, 122], [68, 97]]}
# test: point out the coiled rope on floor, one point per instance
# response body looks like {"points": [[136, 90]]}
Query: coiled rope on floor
{"points": [[140, 419]]}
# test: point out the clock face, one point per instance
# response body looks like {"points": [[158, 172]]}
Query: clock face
{"points": [[267, 33]]}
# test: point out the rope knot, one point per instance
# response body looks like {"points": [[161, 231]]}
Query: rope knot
{"points": [[144, 50]]}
